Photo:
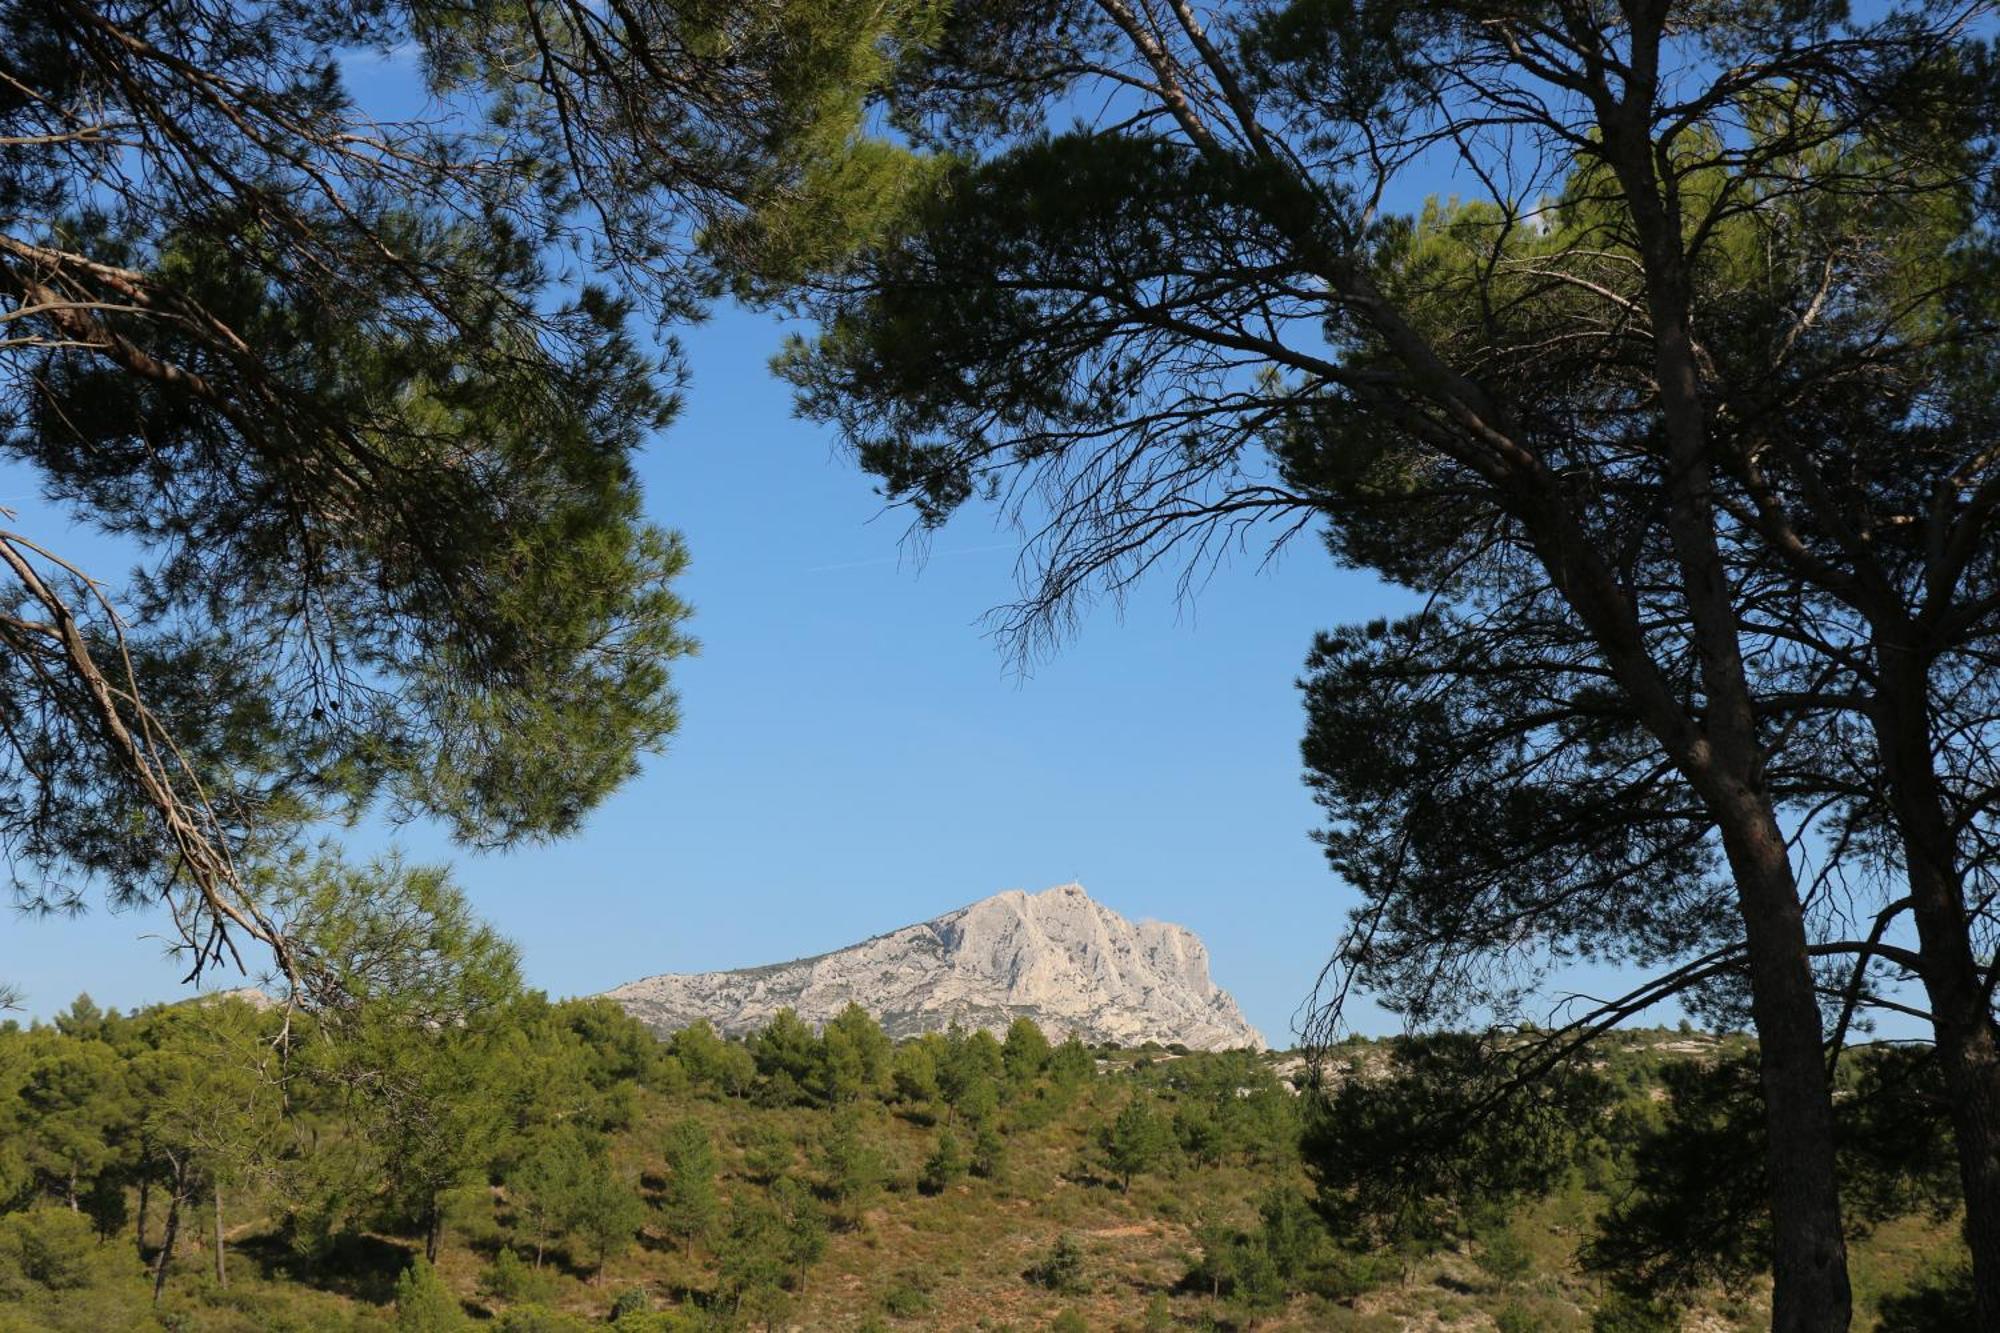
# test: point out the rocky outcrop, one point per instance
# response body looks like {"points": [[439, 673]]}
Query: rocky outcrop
{"points": [[1069, 963]]}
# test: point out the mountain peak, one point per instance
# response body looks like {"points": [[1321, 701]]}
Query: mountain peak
{"points": [[1057, 956]]}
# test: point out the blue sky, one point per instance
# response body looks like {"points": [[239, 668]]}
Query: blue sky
{"points": [[857, 754]]}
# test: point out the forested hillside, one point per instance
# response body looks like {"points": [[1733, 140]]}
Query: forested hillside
{"points": [[197, 1167]]}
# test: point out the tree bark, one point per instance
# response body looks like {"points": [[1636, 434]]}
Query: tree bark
{"points": [[166, 1255], [1961, 1013], [1971, 1061], [1810, 1291], [145, 1202], [433, 1231], [221, 1273]]}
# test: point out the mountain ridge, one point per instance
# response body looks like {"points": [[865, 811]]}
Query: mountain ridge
{"points": [[1058, 956]]}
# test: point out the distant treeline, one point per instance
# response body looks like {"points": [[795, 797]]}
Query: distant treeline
{"points": [[450, 1141]]}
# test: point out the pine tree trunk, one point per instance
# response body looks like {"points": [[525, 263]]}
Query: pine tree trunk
{"points": [[1723, 754], [1961, 1014], [166, 1255], [433, 1231], [221, 1273], [1967, 1050], [1810, 1292], [145, 1203]]}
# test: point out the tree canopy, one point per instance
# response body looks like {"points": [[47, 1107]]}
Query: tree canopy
{"points": [[1676, 423], [329, 374]]}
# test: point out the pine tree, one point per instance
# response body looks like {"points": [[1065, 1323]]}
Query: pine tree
{"points": [[989, 1153], [321, 367], [605, 1214], [850, 1165], [945, 1166], [855, 1055], [424, 1304], [1071, 1064], [1024, 1052], [688, 1201], [1134, 1143]]}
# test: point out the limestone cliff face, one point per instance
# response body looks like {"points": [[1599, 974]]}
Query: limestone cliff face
{"points": [[1071, 964]]}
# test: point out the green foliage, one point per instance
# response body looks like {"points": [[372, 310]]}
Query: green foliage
{"points": [[1069, 1321], [423, 1304], [1939, 1301], [1697, 1213], [851, 1166], [979, 1101], [1259, 1271], [689, 1206], [512, 1280], [756, 1259], [1504, 1254], [1024, 1052], [804, 1225], [69, 1097], [969, 1067], [681, 1320], [1200, 1133], [788, 1058], [545, 1183], [368, 430], [711, 1062], [945, 1166], [989, 1153], [1070, 1063], [49, 1245], [1134, 1143], [316, 1171], [1658, 284], [605, 1213], [768, 1152], [855, 1056], [1622, 1313], [905, 1301], [539, 1319], [1403, 1156], [915, 1073], [1061, 1270]]}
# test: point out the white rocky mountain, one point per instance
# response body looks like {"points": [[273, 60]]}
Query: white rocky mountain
{"points": [[1069, 963]]}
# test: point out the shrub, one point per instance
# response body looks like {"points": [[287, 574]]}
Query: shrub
{"points": [[1069, 1321], [1629, 1314], [1061, 1269], [664, 1321], [51, 1246], [905, 1301], [1505, 1255], [946, 1166], [540, 1319], [423, 1305], [989, 1153], [509, 1278], [1937, 1301]]}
